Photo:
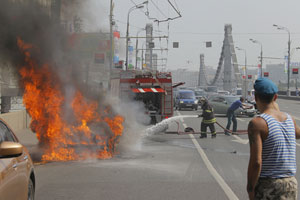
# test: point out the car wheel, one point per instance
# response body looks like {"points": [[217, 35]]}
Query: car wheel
{"points": [[196, 108], [30, 190], [179, 108]]}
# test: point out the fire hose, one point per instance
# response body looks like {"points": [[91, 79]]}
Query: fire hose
{"points": [[189, 130]]}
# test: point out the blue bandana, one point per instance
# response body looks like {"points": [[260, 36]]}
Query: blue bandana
{"points": [[265, 86]]}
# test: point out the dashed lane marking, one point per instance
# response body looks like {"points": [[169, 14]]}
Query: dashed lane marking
{"points": [[240, 140], [228, 191], [242, 120]]}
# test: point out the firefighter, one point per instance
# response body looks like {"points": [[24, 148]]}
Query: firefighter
{"points": [[208, 119]]}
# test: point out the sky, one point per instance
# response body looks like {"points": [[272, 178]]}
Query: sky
{"points": [[204, 20]]}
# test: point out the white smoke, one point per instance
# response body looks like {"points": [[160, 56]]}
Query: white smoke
{"points": [[136, 121]]}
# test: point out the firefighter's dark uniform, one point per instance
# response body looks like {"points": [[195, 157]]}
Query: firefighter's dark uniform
{"points": [[208, 120]]}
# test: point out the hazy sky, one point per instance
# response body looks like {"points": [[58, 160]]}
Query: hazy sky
{"points": [[204, 20]]}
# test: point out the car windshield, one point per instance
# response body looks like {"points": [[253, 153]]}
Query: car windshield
{"points": [[187, 95], [199, 93], [231, 99], [212, 89]]}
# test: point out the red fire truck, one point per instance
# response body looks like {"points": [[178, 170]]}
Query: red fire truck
{"points": [[154, 89]]}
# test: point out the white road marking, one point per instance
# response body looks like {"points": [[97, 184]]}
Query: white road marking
{"points": [[242, 120], [240, 140], [228, 191]]}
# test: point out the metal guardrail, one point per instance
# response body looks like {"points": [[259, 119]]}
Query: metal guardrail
{"points": [[282, 95]]}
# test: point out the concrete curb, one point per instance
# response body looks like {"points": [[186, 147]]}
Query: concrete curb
{"points": [[289, 98]]}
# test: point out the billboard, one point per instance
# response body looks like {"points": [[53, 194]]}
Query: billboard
{"points": [[295, 70]]}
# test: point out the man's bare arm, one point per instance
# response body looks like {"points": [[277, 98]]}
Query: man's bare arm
{"points": [[255, 128], [297, 130], [244, 106]]}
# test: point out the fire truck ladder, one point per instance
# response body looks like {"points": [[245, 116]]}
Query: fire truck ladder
{"points": [[168, 100]]}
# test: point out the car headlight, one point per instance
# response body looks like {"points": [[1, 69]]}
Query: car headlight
{"points": [[181, 101]]}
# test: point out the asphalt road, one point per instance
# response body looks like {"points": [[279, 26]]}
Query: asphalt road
{"points": [[166, 166]]}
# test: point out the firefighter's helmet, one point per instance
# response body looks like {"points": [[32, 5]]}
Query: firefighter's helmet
{"points": [[203, 100]]}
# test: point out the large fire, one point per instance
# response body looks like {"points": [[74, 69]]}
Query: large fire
{"points": [[64, 139]]}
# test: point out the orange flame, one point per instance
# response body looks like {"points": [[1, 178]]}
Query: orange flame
{"points": [[63, 140]]}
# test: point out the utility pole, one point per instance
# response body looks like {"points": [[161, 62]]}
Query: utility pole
{"points": [[139, 6], [111, 41], [246, 73], [289, 56], [261, 55], [289, 61], [136, 47], [261, 61]]}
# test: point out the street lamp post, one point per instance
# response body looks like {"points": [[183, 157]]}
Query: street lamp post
{"points": [[139, 6], [136, 46], [261, 55], [289, 55], [246, 74], [111, 23]]}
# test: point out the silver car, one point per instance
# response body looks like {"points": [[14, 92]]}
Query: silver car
{"points": [[221, 103]]}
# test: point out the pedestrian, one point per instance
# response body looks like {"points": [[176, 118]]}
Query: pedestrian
{"points": [[231, 115], [208, 119], [272, 137], [297, 92]]}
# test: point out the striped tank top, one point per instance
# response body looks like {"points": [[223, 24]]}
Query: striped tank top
{"points": [[279, 149]]}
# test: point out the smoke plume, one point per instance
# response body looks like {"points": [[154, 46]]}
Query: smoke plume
{"points": [[71, 123]]}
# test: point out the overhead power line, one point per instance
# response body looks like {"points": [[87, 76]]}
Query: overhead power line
{"points": [[253, 33], [137, 27], [175, 8], [158, 8]]}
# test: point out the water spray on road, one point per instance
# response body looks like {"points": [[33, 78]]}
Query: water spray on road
{"points": [[163, 125]]}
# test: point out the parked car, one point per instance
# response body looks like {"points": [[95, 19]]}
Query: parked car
{"points": [[223, 92], [221, 103], [17, 179], [186, 99]]}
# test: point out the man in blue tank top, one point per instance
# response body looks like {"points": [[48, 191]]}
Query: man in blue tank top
{"points": [[272, 137]]}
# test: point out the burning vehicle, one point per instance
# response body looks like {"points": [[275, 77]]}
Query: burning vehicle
{"points": [[69, 122], [88, 130]]}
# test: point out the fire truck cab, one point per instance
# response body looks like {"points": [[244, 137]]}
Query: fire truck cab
{"points": [[152, 88]]}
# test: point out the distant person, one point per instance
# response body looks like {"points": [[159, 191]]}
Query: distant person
{"points": [[208, 119], [231, 115], [272, 136], [297, 92]]}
